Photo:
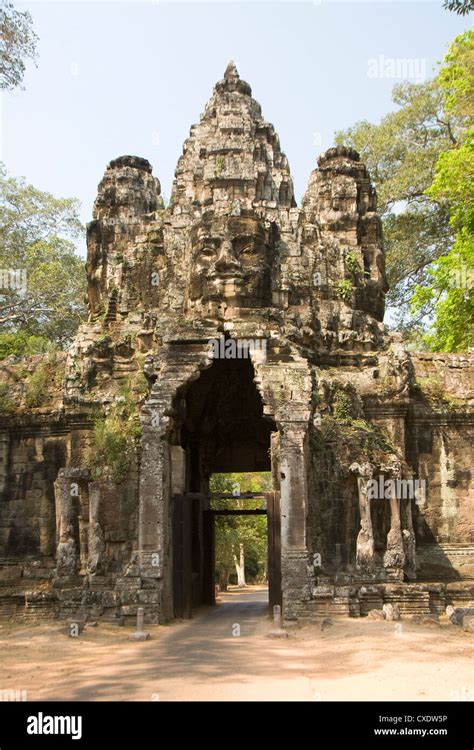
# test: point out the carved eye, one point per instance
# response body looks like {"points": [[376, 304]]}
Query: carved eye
{"points": [[248, 248], [207, 251]]}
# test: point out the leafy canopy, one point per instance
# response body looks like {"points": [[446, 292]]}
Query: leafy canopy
{"points": [[231, 531], [461, 7], [17, 42], [408, 155], [42, 279], [451, 277]]}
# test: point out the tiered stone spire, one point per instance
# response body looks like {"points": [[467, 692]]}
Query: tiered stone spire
{"points": [[232, 158]]}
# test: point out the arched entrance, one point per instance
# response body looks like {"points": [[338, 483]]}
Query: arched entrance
{"points": [[222, 430]]}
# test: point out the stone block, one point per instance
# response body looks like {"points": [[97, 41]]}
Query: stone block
{"points": [[376, 614], [11, 573], [139, 635], [468, 623]]}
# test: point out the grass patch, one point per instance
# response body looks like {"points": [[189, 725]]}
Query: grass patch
{"points": [[7, 405], [432, 389], [41, 383]]}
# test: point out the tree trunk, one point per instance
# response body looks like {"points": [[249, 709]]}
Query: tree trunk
{"points": [[240, 568], [223, 579]]}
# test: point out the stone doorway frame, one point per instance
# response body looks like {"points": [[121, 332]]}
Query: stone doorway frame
{"points": [[182, 542], [285, 390]]}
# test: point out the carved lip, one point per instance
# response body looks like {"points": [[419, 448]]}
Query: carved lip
{"points": [[225, 276]]}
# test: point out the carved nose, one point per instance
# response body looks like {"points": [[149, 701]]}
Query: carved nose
{"points": [[227, 260]]}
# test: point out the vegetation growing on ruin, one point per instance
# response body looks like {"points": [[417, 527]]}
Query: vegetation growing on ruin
{"points": [[344, 289], [220, 164], [352, 262], [343, 401], [363, 440], [430, 388], [44, 380], [115, 437], [7, 405], [18, 344], [316, 397], [344, 425], [343, 405]]}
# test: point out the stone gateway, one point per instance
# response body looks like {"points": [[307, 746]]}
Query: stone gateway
{"points": [[140, 412]]}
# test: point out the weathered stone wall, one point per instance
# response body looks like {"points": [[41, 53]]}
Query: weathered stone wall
{"points": [[441, 433], [33, 455]]}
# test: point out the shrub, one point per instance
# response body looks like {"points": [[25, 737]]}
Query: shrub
{"points": [[7, 405], [41, 382], [115, 437], [18, 344], [344, 290]]}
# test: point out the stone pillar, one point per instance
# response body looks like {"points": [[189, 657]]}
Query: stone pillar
{"points": [[96, 545], [178, 469], [365, 539], [151, 483], [154, 532], [275, 459], [5, 523], [66, 547], [296, 584], [4, 450], [394, 557], [408, 536], [293, 487]]}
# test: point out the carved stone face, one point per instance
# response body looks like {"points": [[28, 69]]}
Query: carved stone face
{"points": [[231, 259]]}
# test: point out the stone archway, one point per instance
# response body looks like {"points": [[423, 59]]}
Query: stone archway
{"points": [[222, 430], [284, 388]]}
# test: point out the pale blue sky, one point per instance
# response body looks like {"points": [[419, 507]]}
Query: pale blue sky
{"points": [[131, 77]]}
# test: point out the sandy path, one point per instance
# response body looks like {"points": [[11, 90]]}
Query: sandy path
{"points": [[201, 659]]}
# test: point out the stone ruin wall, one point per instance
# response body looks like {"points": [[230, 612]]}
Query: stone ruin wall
{"points": [[348, 399]]}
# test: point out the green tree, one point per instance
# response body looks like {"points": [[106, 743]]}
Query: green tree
{"points": [[42, 279], [450, 285], [233, 531], [403, 153], [461, 7], [17, 42]]}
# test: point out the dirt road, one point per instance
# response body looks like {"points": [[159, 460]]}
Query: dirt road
{"points": [[224, 653]]}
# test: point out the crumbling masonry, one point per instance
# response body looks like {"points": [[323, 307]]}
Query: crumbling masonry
{"points": [[331, 401]]}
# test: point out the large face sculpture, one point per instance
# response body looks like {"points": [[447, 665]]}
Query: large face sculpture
{"points": [[231, 261]]}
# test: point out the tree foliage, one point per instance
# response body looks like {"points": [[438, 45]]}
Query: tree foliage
{"points": [[401, 153], [451, 277], [404, 153], [42, 279], [231, 531], [17, 43], [461, 7]]}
